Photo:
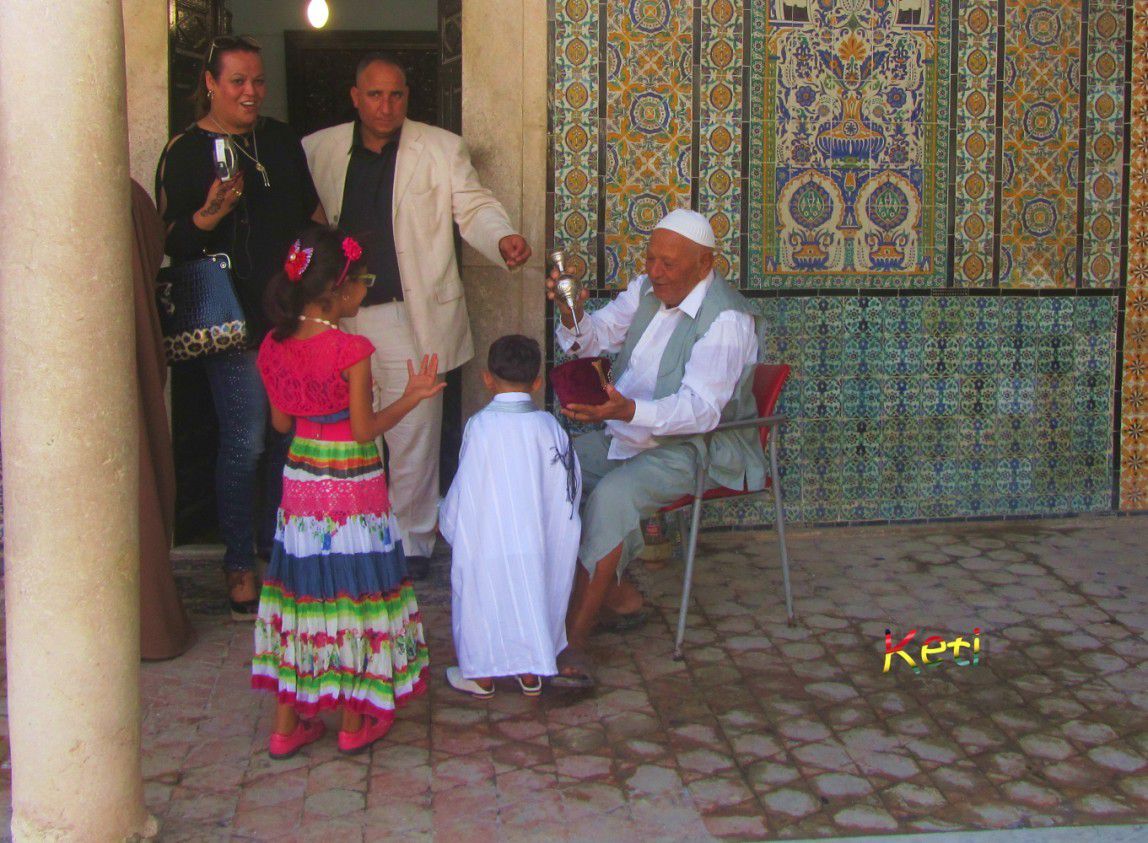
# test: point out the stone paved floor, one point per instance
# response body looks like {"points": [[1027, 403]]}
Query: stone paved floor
{"points": [[766, 730]]}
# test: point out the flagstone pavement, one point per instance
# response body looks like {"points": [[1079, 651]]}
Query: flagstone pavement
{"points": [[765, 730]]}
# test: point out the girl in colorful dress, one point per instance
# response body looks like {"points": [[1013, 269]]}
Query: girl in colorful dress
{"points": [[338, 624]]}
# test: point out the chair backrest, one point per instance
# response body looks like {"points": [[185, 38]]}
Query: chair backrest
{"points": [[768, 381]]}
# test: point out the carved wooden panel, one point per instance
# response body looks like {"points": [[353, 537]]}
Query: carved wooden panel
{"points": [[191, 26], [321, 71], [450, 65]]}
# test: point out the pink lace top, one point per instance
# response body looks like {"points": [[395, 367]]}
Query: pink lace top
{"points": [[303, 377]]}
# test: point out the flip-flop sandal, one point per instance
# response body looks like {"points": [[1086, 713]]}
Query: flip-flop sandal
{"points": [[611, 621], [573, 671], [466, 686], [534, 690]]}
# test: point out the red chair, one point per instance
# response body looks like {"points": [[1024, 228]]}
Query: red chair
{"points": [[768, 381]]}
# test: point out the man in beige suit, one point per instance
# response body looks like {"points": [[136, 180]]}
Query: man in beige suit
{"points": [[397, 185]]}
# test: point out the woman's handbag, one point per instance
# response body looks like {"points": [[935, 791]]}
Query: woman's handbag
{"points": [[198, 309]]}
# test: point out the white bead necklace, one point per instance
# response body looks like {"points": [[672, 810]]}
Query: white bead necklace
{"points": [[320, 321]]}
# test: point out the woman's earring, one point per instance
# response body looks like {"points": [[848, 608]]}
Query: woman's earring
{"points": [[210, 94]]}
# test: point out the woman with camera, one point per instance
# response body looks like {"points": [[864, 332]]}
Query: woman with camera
{"points": [[237, 183]]}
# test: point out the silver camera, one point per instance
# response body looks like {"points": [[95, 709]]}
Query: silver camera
{"points": [[225, 159]]}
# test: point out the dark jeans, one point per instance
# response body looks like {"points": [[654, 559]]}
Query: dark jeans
{"points": [[241, 408]]}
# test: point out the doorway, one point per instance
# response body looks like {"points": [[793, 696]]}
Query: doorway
{"points": [[319, 70]]}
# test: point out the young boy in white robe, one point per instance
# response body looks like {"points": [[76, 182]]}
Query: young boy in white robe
{"points": [[511, 517]]}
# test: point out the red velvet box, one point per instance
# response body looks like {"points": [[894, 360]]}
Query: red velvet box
{"points": [[581, 381]]}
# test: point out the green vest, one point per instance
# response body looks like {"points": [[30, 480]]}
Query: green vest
{"points": [[736, 458]]}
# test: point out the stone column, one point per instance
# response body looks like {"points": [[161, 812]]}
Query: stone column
{"points": [[504, 64], [69, 424]]}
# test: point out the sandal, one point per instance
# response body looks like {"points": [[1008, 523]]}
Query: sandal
{"points": [[611, 621], [463, 685], [245, 611], [533, 689], [241, 610], [573, 670]]}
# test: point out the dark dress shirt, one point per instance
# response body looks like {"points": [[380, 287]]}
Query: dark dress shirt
{"points": [[368, 194]]}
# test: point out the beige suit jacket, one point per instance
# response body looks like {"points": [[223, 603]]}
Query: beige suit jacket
{"points": [[435, 184]]}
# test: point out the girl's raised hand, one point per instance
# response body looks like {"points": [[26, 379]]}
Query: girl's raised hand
{"points": [[424, 383]]}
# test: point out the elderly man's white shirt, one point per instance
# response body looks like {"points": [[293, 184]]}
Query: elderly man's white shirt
{"points": [[712, 372]]}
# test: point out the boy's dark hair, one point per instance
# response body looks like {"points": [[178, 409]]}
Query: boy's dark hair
{"points": [[514, 359], [284, 299]]}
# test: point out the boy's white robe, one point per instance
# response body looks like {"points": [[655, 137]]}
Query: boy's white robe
{"points": [[514, 536]]}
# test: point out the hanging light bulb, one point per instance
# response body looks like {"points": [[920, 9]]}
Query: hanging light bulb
{"points": [[317, 13]]}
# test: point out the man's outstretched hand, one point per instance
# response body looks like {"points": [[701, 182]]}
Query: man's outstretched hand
{"points": [[617, 407]]}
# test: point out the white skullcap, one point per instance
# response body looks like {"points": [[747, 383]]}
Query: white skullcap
{"points": [[689, 224]]}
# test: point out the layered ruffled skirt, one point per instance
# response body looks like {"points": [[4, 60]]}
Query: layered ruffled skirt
{"points": [[338, 624]]}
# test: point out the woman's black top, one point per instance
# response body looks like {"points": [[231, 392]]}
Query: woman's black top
{"points": [[259, 231]]}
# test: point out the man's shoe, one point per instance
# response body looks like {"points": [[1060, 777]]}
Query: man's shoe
{"points": [[418, 567]]}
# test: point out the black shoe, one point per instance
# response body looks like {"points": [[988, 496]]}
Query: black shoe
{"points": [[418, 567]]}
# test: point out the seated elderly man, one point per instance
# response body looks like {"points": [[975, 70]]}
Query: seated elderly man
{"points": [[685, 345]]}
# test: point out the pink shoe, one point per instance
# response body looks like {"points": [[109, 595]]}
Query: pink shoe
{"points": [[352, 743], [284, 746]]}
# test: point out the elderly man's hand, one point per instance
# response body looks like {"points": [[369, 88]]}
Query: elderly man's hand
{"points": [[617, 407], [514, 250]]}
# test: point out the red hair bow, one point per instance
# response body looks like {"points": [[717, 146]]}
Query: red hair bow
{"points": [[352, 251]]}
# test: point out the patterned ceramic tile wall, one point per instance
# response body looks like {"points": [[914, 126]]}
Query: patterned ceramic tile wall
{"points": [[1041, 133], [832, 143], [850, 144], [943, 406], [1134, 391], [649, 114]]}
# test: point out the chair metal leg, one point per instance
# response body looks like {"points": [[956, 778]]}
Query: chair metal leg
{"points": [[687, 583], [779, 521]]}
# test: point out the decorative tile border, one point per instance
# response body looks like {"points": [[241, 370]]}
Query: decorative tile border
{"points": [[574, 123], [1104, 144], [649, 113], [720, 118], [1134, 387], [975, 164]]}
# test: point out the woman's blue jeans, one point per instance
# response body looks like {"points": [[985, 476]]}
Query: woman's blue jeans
{"points": [[241, 409]]}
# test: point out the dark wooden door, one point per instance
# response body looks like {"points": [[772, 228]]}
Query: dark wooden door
{"points": [[321, 71], [193, 23], [450, 117]]}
